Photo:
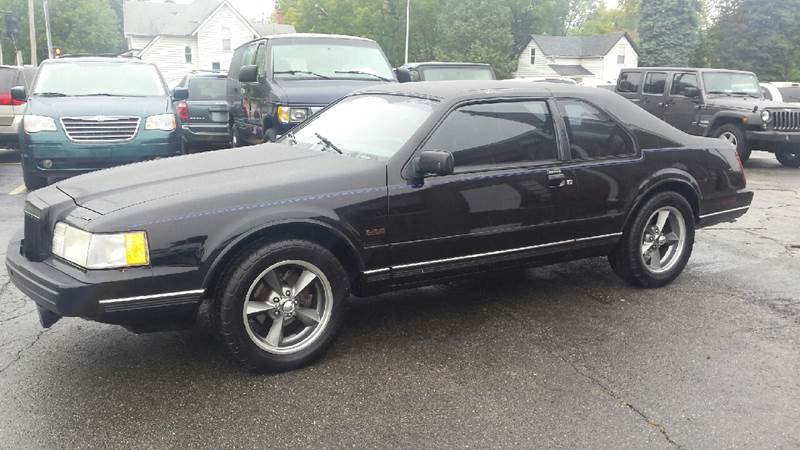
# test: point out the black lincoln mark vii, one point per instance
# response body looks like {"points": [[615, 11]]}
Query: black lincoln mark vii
{"points": [[396, 185]]}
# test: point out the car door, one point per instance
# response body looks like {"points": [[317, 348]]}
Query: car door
{"points": [[504, 201], [654, 93], [606, 166], [249, 95], [683, 102]]}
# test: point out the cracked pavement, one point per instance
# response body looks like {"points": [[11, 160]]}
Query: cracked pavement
{"points": [[560, 357]]}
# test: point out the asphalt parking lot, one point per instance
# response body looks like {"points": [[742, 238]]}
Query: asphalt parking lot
{"points": [[559, 357]]}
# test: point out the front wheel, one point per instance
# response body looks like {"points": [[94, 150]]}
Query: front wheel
{"points": [[657, 244], [789, 159], [735, 136], [282, 304]]}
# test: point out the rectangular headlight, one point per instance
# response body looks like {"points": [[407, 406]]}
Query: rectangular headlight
{"points": [[292, 115], [164, 122], [100, 251]]}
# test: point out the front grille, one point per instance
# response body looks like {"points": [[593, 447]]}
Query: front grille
{"points": [[34, 244], [100, 129], [786, 120]]}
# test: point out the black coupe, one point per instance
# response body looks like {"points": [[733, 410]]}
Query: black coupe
{"points": [[393, 186]]}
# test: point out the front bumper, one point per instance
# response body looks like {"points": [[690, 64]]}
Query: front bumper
{"points": [[773, 140], [115, 296]]}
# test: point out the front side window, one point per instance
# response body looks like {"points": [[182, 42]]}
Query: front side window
{"points": [[367, 126], [731, 83], [339, 59], [497, 133], [67, 79], [684, 84], [629, 82], [261, 60], [592, 133], [249, 57], [654, 83]]}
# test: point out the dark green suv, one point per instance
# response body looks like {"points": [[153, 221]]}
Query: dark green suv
{"points": [[89, 113]]}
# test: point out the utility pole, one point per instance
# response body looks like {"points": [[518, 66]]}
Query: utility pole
{"points": [[47, 29], [32, 29], [408, 25]]}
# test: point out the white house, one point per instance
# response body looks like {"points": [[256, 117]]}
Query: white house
{"points": [[590, 60], [183, 37]]}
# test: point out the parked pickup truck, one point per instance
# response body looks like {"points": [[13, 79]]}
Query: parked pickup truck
{"points": [[726, 104]]}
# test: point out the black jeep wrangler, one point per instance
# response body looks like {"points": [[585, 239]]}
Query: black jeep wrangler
{"points": [[727, 104]]}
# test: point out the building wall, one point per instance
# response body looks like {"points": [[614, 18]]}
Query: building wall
{"points": [[612, 68], [168, 53], [538, 69], [209, 38]]}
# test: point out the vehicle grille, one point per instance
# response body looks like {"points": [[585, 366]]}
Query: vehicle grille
{"points": [[100, 129], [786, 120], [35, 243]]}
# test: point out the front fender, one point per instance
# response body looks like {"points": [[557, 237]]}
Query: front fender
{"points": [[742, 118]]}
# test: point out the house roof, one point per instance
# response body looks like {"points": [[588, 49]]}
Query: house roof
{"points": [[269, 29], [579, 46], [570, 70], [146, 18]]}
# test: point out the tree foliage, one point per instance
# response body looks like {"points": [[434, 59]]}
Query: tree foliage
{"points": [[668, 32]]}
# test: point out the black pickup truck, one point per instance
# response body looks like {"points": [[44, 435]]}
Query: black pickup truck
{"points": [[726, 104]]}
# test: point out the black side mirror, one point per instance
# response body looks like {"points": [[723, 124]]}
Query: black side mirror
{"points": [[180, 93], [402, 75], [248, 74], [435, 162], [692, 92], [18, 93]]}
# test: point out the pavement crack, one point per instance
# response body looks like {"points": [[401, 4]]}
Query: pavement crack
{"points": [[18, 356]]}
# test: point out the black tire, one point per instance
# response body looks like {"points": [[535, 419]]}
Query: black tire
{"points": [[742, 147], [236, 139], [628, 261], [788, 159], [32, 182], [246, 272], [270, 135]]}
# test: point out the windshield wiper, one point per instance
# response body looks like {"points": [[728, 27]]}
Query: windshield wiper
{"points": [[295, 72], [328, 143], [749, 94], [51, 94], [719, 93], [361, 72]]}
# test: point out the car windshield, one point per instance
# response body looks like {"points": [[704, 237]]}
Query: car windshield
{"points": [[207, 88], [369, 126], [456, 73], [731, 83], [73, 79], [342, 59], [790, 94]]}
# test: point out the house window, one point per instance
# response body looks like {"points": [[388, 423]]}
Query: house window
{"points": [[226, 39], [215, 66], [187, 54], [621, 59], [533, 56]]}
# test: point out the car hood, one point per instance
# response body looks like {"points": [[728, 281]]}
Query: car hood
{"points": [[318, 92], [268, 171], [745, 103], [98, 106]]}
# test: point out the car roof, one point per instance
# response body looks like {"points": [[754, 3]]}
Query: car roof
{"points": [[108, 59], [683, 69], [453, 90], [287, 36], [208, 75], [414, 65]]}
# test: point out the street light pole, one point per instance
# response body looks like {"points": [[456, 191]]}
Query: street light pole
{"points": [[47, 29], [32, 29], [408, 25]]}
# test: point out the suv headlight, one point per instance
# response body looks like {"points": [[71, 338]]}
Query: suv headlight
{"points": [[100, 251], [765, 116], [35, 124], [292, 115], [164, 122]]}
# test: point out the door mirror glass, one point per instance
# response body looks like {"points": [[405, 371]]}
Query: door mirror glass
{"points": [[18, 93], [180, 93], [402, 75], [248, 74], [692, 92], [435, 162]]}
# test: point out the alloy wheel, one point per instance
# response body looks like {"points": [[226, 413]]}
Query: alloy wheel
{"points": [[287, 307], [663, 239], [730, 138]]}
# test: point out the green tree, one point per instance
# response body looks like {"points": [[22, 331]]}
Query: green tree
{"points": [[668, 32], [625, 17], [77, 26], [759, 36], [477, 31]]}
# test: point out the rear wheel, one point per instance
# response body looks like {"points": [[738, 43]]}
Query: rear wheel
{"points": [[735, 136], [282, 304], [658, 242], [789, 159]]}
